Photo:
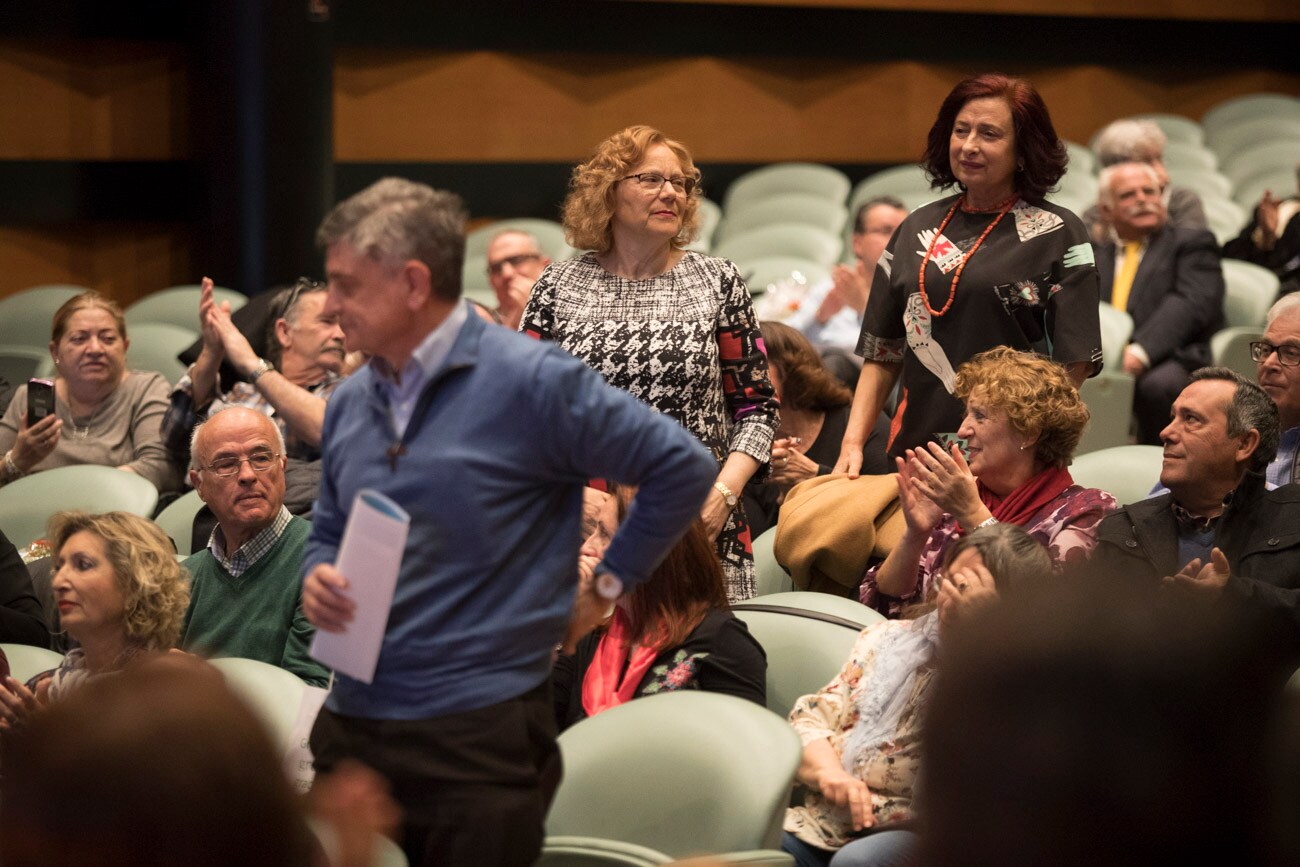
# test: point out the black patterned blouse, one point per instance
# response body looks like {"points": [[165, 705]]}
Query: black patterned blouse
{"points": [[687, 343]]}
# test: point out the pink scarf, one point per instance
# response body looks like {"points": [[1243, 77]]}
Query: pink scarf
{"points": [[601, 687]]}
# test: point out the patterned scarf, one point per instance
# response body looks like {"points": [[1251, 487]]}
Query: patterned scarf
{"points": [[904, 650], [1021, 505]]}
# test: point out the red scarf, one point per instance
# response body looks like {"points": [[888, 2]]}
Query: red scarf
{"points": [[1021, 505], [601, 686]]}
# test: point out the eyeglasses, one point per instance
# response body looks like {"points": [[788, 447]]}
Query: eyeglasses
{"points": [[224, 468], [1287, 354], [653, 182], [497, 267]]}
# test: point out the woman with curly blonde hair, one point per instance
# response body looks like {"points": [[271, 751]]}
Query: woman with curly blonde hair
{"points": [[672, 327], [121, 595], [1023, 422]]}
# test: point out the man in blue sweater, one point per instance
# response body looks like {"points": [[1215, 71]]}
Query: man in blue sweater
{"points": [[486, 438]]}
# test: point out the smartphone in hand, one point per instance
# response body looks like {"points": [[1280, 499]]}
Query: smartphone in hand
{"points": [[40, 400]]}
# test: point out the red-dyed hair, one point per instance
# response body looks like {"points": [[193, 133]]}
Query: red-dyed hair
{"points": [[1037, 143], [686, 586]]}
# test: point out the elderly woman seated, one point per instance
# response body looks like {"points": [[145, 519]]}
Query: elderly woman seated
{"points": [[814, 414], [1023, 422], [103, 413], [862, 731], [672, 632], [120, 593]]}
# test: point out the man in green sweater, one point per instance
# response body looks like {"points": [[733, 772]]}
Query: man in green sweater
{"points": [[246, 597]]}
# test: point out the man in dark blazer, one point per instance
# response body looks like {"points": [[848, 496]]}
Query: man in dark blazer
{"points": [[1169, 281], [1217, 533]]}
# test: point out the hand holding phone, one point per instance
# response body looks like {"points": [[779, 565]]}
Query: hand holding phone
{"points": [[39, 429]]}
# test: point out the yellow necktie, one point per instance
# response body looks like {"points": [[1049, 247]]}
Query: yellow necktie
{"points": [[1124, 282]]}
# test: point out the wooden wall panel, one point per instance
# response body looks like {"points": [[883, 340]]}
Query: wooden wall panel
{"points": [[92, 100], [434, 106], [124, 262], [1192, 10]]}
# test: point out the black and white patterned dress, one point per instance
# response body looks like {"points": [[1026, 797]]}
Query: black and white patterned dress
{"points": [[687, 343]]}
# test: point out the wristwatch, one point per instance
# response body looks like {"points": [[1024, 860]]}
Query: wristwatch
{"points": [[263, 366], [608, 586], [728, 497]]}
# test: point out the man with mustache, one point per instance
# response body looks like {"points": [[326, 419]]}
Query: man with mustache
{"points": [[1169, 281]]}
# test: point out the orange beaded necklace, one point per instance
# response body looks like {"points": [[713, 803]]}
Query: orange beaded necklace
{"points": [[956, 278]]}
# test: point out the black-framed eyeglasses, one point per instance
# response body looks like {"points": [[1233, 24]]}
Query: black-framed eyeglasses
{"points": [[496, 267], [653, 182], [1287, 354], [224, 468]]}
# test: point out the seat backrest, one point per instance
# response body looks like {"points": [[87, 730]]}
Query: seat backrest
{"points": [[1116, 329], [27, 317], [1250, 133], [907, 179], [26, 504], [1177, 128], [1252, 159], [178, 305], [21, 363], [760, 274], [825, 214], [1240, 109], [682, 773], [25, 661], [1184, 155], [784, 239], [1248, 192], [1230, 348], [1109, 398], [1225, 217], [1200, 180], [804, 649], [811, 179], [1127, 472], [769, 575], [1249, 291], [273, 693], [155, 347], [177, 521]]}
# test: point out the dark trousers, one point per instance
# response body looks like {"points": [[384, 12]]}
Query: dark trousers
{"points": [[475, 786], [1154, 396]]}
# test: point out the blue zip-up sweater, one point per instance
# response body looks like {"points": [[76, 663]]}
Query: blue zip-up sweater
{"points": [[501, 443]]}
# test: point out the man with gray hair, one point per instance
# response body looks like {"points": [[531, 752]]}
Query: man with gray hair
{"points": [[486, 439], [245, 597], [514, 261], [1135, 140], [1168, 279], [1217, 532], [1277, 355]]}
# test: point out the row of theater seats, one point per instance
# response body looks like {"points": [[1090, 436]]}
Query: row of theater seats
{"points": [[704, 772]]}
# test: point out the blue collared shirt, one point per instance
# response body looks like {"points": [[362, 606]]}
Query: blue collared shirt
{"points": [[402, 390], [1282, 469], [842, 330]]}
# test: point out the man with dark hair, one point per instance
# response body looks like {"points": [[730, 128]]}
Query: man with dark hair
{"points": [[1217, 532], [830, 315], [486, 439]]}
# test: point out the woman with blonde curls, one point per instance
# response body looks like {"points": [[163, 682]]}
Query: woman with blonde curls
{"points": [[121, 595], [1023, 421], [672, 327]]}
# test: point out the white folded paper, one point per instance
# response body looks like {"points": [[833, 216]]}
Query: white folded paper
{"points": [[369, 557]]}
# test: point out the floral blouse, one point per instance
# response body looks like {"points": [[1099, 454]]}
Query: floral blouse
{"points": [[1066, 526], [889, 771]]}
